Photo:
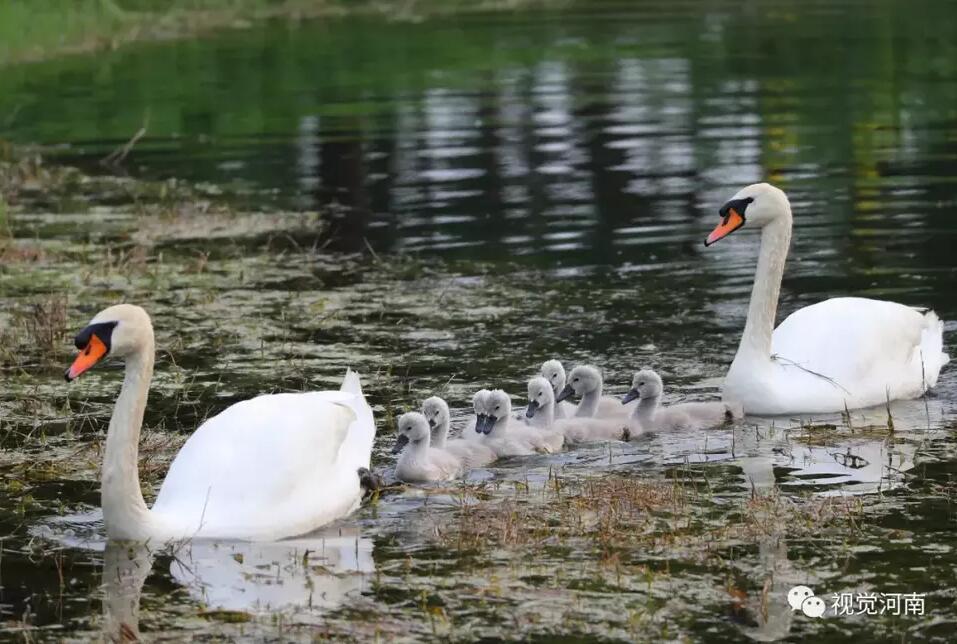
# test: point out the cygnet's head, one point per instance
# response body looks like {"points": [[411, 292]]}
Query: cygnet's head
{"points": [[412, 428], [645, 384], [754, 206], [540, 395], [119, 331], [497, 405], [582, 380], [436, 411], [480, 400], [554, 372], [480, 405]]}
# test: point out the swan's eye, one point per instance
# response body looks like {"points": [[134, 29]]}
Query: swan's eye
{"points": [[641, 384], [576, 379], [554, 375], [497, 407]]}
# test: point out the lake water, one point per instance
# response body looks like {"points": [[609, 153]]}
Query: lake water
{"points": [[494, 190]]}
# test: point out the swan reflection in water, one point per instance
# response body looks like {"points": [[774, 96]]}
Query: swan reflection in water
{"points": [[305, 576]]}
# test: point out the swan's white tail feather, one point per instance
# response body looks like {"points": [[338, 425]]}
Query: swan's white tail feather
{"points": [[357, 450], [932, 348], [351, 383]]}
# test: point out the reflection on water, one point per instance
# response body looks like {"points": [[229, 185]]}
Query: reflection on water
{"points": [[600, 135], [125, 569], [315, 574], [301, 577]]}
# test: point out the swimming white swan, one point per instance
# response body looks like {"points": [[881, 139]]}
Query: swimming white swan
{"points": [[554, 372], [647, 388], [541, 414], [270, 467], [844, 352], [586, 381], [472, 453], [505, 435], [420, 463]]}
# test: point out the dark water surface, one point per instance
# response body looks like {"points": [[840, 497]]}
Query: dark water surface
{"points": [[494, 190]]}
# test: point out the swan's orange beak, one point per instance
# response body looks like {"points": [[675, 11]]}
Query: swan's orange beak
{"points": [[731, 222], [91, 354]]}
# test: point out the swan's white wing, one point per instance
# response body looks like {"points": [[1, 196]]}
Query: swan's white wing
{"points": [[870, 348], [270, 467]]}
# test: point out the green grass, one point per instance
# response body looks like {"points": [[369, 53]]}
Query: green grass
{"points": [[37, 29]]}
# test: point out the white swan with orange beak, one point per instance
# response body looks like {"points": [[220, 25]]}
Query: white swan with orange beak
{"points": [[270, 467], [842, 353]]}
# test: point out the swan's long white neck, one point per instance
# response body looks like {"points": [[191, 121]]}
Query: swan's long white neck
{"points": [[588, 405], [645, 411], [440, 433], [419, 450], [124, 510], [544, 416], [756, 339], [500, 428]]}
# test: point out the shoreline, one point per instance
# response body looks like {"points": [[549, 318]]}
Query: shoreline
{"points": [[104, 26]]}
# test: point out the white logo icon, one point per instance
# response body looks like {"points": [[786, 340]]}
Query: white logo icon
{"points": [[797, 595], [813, 607], [802, 598]]}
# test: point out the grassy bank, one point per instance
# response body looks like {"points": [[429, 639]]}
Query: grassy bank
{"points": [[33, 30], [37, 29]]}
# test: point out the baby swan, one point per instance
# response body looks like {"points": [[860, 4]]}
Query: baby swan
{"points": [[472, 453], [541, 413], [554, 373], [586, 381], [647, 388], [420, 463], [507, 436]]}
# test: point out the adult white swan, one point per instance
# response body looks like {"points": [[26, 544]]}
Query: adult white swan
{"points": [[271, 467], [846, 351]]}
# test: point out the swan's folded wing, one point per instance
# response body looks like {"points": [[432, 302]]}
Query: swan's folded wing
{"points": [[850, 339], [256, 454]]}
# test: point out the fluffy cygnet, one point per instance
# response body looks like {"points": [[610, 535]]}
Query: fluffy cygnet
{"points": [[472, 453], [420, 463], [507, 436], [647, 388], [554, 373], [586, 381], [541, 414]]}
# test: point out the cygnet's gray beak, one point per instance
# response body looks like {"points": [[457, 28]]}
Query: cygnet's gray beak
{"points": [[532, 408], [400, 443], [481, 420], [490, 423], [566, 392], [431, 423], [631, 395]]}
